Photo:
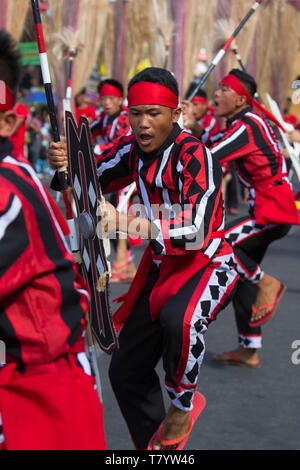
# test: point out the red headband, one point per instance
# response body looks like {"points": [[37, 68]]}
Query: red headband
{"points": [[110, 90], [199, 99], [7, 99], [151, 93], [234, 83]]}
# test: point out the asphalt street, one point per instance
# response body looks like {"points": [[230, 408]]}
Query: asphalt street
{"points": [[247, 409]]}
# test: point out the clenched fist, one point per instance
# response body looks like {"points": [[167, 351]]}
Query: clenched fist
{"points": [[57, 153]]}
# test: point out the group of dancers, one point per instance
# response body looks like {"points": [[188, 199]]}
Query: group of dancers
{"points": [[194, 265]]}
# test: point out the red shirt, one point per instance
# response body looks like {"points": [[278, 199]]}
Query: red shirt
{"points": [[291, 119], [209, 124], [89, 112], [18, 139], [261, 167], [43, 297]]}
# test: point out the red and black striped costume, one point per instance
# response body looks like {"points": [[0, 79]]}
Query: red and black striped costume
{"points": [[43, 304], [261, 168], [106, 130], [185, 278], [209, 124]]}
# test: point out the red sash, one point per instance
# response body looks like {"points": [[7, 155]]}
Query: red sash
{"points": [[174, 272], [275, 203]]}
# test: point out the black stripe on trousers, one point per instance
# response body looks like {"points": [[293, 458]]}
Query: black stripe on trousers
{"points": [[142, 343]]}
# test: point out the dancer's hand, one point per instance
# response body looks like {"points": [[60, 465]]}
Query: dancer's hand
{"points": [[57, 153]]}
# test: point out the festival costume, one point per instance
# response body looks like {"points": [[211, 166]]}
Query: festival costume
{"points": [[88, 111], [261, 168], [181, 284], [18, 139], [209, 124], [106, 131], [47, 397]]}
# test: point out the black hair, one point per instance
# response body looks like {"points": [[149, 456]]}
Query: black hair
{"points": [[156, 75], [81, 92], [10, 65], [246, 79], [201, 93], [113, 82]]}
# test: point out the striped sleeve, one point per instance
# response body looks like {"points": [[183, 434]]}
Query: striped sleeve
{"points": [[119, 128], [235, 144], [190, 223], [113, 166], [14, 245]]}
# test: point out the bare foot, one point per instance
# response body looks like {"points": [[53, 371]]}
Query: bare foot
{"points": [[175, 425], [246, 356], [131, 270], [268, 288]]}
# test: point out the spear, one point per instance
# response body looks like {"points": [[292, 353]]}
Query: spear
{"points": [[221, 33], [222, 30], [67, 45], [47, 81], [224, 49], [62, 174]]}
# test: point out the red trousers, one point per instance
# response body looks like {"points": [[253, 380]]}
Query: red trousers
{"points": [[50, 407]]}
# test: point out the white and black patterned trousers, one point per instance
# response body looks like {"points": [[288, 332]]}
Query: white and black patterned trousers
{"points": [[177, 338], [249, 242]]}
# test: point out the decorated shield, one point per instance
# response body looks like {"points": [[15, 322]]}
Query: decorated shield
{"points": [[87, 193]]}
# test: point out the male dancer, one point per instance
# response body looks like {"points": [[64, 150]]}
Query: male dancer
{"points": [[112, 124], [113, 121], [47, 395], [199, 117], [250, 142], [186, 275]]}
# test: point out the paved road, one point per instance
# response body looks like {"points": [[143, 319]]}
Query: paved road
{"points": [[246, 409]]}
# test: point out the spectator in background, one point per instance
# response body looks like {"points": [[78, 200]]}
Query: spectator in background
{"points": [[43, 167], [84, 109], [34, 130], [17, 134], [27, 79], [287, 115]]}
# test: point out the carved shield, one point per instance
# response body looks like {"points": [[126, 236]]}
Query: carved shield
{"points": [[87, 193]]}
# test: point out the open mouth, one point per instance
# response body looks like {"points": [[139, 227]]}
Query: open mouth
{"points": [[145, 139]]}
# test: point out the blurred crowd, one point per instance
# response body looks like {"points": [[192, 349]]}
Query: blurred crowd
{"points": [[32, 134]]}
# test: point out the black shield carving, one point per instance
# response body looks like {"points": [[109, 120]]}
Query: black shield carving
{"points": [[87, 193]]}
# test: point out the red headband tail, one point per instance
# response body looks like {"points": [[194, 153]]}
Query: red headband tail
{"points": [[7, 99], [234, 83], [268, 114], [146, 93], [110, 90]]}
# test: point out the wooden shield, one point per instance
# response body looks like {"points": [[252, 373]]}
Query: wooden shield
{"points": [[87, 193]]}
